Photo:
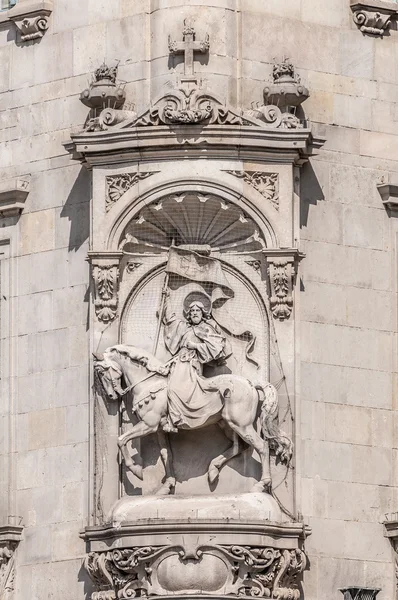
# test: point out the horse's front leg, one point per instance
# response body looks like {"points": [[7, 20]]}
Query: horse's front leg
{"points": [[141, 429], [167, 459]]}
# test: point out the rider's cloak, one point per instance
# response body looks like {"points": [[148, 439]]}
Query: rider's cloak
{"points": [[192, 399]]}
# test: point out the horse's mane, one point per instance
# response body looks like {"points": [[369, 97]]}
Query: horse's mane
{"points": [[144, 358]]}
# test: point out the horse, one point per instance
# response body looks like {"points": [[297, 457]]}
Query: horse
{"points": [[146, 378]]}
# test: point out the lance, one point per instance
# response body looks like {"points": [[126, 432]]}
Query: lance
{"points": [[161, 308]]}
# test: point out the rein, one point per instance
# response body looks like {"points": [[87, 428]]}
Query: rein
{"points": [[131, 387]]}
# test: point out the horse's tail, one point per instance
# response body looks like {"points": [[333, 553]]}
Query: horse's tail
{"points": [[279, 442]]}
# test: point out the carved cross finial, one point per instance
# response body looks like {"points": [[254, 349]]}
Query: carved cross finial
{"points": [[189, 46]]}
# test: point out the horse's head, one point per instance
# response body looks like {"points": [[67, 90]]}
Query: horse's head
{"points": [[109, 374]]}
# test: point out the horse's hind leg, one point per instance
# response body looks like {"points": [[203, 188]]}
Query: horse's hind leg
{"points": [[167, 458], [235, 448]]}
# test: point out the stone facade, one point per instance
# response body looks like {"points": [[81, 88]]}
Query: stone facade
{"points": [[335, 326]]}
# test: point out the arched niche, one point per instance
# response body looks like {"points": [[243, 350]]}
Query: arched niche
{"points": [[191, 220], [258, 212]]}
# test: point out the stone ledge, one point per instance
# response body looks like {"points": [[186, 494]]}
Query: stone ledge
{"points": [[13, 194], [389, 194], [10, 534], [30, 18], [373, 17]]}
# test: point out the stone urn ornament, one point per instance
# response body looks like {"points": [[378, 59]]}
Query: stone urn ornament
{"points": [[286, 92], [103, 91]]}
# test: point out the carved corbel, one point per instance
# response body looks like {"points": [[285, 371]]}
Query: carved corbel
{"points": [[389, 194], [282, 271], [31, 18], [105, 273], [10, 536], [390, 527], [373, 16], [13, 194]]}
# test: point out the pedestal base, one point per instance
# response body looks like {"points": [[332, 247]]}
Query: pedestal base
{"points": [[234, 545]]}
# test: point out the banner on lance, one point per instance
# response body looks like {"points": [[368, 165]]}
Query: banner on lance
{"points": [[201, 268]]}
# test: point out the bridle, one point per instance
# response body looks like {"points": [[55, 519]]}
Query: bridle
{"points": [[118, 388]]}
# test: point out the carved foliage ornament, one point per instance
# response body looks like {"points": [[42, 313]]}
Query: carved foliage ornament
{"points": [[265, 183], [105, 273], [281, 273], [118, 185], [264, 572]]}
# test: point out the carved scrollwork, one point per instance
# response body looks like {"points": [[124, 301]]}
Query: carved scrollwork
{"points": [[372, 22], [32, 27], [105, 273], [264, 572]]}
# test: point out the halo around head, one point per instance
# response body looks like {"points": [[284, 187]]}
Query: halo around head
{"points": [[197, 296]]}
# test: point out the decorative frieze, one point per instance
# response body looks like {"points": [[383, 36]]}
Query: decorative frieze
{"points": [[118, 185], [105, 274], [265, 183], [373, 17], [230, 570]]}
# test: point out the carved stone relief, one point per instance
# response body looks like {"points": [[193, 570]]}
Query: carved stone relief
{"points": [[265, 183], [105, 273], [117, 185], [281, 276], [373, 17], [9, 539], [233, 570], [31, 18]]}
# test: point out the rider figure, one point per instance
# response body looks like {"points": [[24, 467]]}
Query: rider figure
{"points": [[194, 342]]}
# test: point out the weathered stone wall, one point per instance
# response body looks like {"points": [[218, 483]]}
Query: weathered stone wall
{"points": [[346, 448]]}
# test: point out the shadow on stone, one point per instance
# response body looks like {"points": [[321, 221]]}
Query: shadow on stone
{"points": [[311, 192], [77, 210]]}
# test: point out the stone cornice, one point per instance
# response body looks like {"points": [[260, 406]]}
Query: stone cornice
{"points": [[13, 194], [162, 142], [373, 17], [30, 18], [105, 537]]}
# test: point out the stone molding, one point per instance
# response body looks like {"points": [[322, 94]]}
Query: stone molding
{"points": [[117, 146], [105, 273], [373, 17], [389, 194], [10, 536], [13, 194], [282, 270], [30, 18]]}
